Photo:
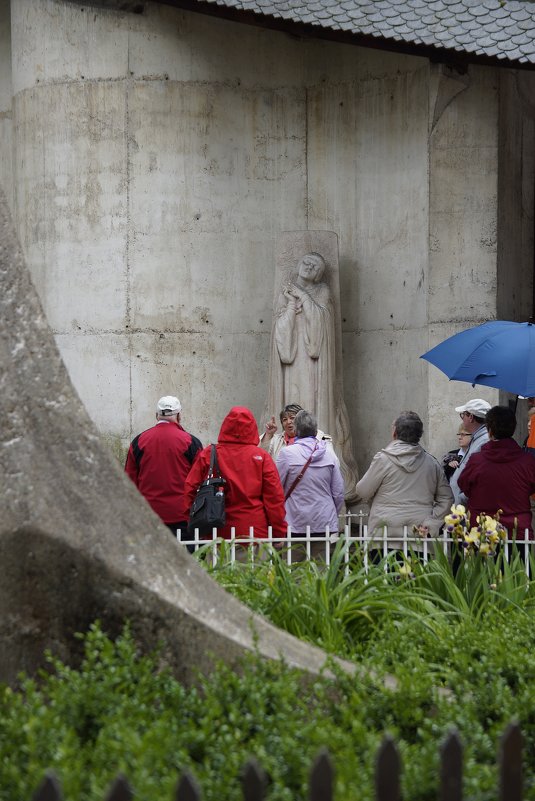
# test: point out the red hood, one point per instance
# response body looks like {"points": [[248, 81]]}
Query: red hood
{"points": [[239, 426]]}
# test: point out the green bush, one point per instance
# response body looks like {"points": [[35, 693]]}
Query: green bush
{"points": [[119, 712], [433, 651]]}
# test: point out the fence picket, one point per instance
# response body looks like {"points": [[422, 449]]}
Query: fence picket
{"points": [[321, 782], [510, 764], [48, 790], [451, 768], [354, 532], [187, 788], [320, 787], [120, 790], [253, 781], [387, 772]]}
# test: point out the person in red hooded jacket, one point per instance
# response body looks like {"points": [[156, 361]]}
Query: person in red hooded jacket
{"points": [[253, 491]]}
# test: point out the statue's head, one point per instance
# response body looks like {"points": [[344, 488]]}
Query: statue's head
{"points": [[311, 267]]}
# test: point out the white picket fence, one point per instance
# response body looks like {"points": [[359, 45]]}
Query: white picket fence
{"points": [[353, 531]]}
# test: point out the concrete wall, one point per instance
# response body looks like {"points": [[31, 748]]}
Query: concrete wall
{"points": [[515, 192], [6, 93], [463, 195], [159, 155]]}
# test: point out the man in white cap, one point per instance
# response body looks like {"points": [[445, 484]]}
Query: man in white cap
{"points": [[158, 462], [473, 415]]}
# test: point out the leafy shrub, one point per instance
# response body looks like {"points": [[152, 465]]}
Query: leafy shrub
{"points": [[119, 712], [433, 650]]}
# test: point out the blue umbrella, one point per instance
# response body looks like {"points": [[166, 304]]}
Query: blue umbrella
{"points": [[499, 354]]}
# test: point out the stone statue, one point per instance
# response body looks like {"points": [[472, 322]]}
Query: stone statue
{"points": [[303, 333], [303, 363]]}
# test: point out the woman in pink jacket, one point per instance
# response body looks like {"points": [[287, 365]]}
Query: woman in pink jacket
{"points": [[314, 497]]}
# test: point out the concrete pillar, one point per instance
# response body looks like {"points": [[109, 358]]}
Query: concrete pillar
{"points": [[463, 216], [6, 140]]}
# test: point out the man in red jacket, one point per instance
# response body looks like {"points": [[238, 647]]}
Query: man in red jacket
{"points": [[501, 475], [158, 462]]}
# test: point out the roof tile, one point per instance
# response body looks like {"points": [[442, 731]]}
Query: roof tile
{"points": [[509, 45], [502, 29], [522, 39], [519, 14], [500, 13], [500, 36], [410, 15]]}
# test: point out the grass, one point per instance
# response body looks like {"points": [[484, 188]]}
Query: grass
{"points": [[340, 610]]}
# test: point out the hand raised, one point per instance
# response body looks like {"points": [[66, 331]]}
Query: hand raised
{"points": [[271, 427]]}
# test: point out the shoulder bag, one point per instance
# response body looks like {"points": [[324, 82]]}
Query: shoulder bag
{"points": [[208, 508]]}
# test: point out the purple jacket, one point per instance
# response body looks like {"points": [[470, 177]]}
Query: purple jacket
{"points": [[319, 495]]}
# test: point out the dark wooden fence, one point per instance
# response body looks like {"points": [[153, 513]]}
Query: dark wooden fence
{"points": [[387, 776]]}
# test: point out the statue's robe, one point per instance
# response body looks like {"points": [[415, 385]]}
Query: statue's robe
{"points": [[303, 356]]}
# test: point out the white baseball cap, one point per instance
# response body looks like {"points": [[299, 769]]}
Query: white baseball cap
{"points": [[476, 406], [168, 405]]}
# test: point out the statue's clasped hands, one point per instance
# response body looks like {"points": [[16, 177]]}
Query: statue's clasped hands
{"points": [[294, 297]]}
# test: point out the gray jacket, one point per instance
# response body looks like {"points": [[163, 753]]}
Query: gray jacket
{"points": [[405, 486], [479, 438]]}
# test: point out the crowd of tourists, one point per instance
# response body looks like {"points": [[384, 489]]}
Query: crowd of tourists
{"points": [[290, 479]]}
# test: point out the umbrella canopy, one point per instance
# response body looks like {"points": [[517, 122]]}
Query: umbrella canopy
{"points": [[499, 354]]}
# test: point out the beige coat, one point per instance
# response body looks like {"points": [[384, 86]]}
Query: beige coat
{"points": [[405, 486]]}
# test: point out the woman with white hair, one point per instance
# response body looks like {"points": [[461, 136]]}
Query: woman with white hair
{"points": [[312, 482]]}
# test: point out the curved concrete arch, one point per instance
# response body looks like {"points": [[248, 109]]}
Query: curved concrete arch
{"points": [[77, 541]]}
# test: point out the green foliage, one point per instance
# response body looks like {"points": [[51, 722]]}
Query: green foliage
{"points": [[119, 712], [339, 608], [433, 650]]}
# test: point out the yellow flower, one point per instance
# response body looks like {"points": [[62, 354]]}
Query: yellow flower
{"points": [[484, 548], [458, 510], [405, 570], [473, 535]]}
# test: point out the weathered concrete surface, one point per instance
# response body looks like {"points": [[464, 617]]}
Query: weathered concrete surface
{"points": [[159, 155], [77, 541]]}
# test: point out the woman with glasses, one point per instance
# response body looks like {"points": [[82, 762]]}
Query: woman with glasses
{"points": [[452, 459]]}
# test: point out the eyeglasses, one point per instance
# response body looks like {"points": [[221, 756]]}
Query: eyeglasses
{"points": [[462, 415]]}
